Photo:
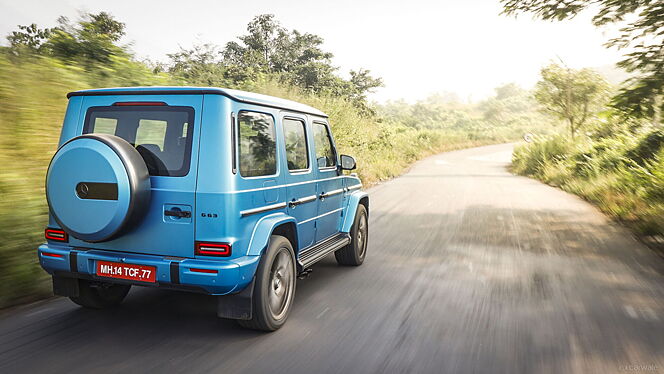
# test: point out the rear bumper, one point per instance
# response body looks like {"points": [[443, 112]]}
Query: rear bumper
{"points": [[232, 275]]}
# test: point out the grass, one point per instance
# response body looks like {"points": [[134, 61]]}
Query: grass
{"points": [[622, 173]]}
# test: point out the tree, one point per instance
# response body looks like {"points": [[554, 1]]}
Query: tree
{"points": [[295, 57], [270, 48], [362, 83], [258, 46], [28, 38], [509, 90], [643, 34], [102, 24], [511, 105], [571, 95], [92, 39], [199, 65]]}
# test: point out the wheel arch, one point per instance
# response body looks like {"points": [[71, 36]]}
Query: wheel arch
{"points": [[273, 224], [355, 199], [289, 231]]}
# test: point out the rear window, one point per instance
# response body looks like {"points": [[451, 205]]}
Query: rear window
{"points": [[162, 135]]}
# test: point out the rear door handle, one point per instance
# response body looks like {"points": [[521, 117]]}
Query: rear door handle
{"points": [[295, 202], [177, 213]]}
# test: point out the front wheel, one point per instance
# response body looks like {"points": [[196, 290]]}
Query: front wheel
{"points": [[354, 253], [274, 287]]}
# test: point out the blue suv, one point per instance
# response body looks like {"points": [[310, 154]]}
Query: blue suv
{"points": [[210, 190]]}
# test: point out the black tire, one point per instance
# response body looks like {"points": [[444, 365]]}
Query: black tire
{"points": [[354, 253], [99, 295], [274, 287]]}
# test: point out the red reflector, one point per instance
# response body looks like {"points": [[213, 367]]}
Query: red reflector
{"points": [[56, 235], [207, 271], [213, 249], [47, 254], [139, 103]]}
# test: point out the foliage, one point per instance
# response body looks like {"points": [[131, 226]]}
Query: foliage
{"points": [[618, 165], [571, 95], [29, 39], [91, 40], [200, 65], [642, 32], [622, 173], [647, 147], [297, 58], [504, 117]]}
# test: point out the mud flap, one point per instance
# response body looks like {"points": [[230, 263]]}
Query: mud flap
{"points": [[237, 306], [67, 287]]}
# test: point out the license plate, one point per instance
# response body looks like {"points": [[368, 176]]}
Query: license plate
{"points": [[117, 270]]}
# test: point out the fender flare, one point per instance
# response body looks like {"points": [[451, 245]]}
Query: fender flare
{"points": [[353, 201], [263, 230]]}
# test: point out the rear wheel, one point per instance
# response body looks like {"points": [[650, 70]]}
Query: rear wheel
{"points": [[354, 253], [99, 295], [274, 287]]}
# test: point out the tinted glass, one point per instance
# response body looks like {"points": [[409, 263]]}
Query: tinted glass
{"points": [[151, 132], [296, 144], [257, 148], [323, 143], [162, 135]]}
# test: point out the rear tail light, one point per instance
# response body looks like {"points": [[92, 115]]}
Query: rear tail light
{"points": [[213, 249], [56, 255], [56, 235]]}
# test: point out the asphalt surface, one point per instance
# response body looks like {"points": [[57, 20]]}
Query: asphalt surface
{"points": [[470, 269]]}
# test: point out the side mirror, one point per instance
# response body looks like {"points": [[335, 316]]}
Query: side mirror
{"points": [[347, 163]]}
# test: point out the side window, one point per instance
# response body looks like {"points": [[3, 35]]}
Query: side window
{"points": [[295, 139], [257, 148], [323, 143]]}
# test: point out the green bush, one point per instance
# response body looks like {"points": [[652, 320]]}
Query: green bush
{"points": [[532, 158], [623, 174], [648, 147]]}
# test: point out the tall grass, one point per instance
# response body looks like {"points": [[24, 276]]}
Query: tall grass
{"points": [[622, 172]]}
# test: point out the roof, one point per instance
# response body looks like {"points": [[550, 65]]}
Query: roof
{"points": [[237, 95]]}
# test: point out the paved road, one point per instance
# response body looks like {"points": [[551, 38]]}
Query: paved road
{"points": [[470, 269]]}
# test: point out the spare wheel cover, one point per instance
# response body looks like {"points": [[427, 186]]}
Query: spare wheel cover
{"points": [[97, 186]]}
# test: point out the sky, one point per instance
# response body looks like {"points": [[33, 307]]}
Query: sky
{"points": [[418, 47]]}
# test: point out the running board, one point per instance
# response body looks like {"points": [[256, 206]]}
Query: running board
{"points": [[314, 254]]}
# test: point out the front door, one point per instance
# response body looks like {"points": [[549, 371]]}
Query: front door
{"points": [[330, 184]]}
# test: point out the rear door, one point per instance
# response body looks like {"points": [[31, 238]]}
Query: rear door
{"points": [[165, 131], [300, 178]]}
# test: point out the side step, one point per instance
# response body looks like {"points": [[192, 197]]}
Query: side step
{"points": [[313, 254]]}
